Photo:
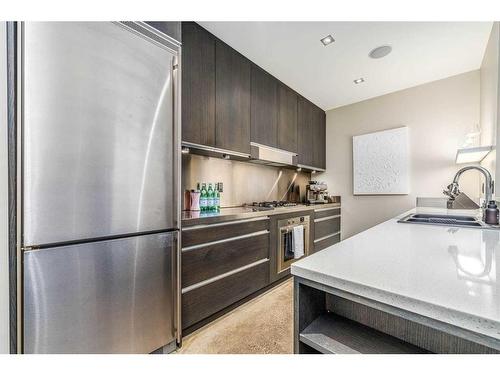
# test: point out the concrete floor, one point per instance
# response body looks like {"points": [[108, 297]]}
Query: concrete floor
{"points": [[263, 325]]}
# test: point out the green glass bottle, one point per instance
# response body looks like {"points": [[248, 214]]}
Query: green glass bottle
{"points": [[203, 198], [210, 198], [217, 197]]}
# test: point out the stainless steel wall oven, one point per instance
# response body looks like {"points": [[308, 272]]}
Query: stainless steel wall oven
{"points": [[287, 251]]}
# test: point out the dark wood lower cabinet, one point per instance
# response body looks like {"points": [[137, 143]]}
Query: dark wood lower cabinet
{"points": [[326, 242], [215, 232], [200, 303], [210, 261], [226, 262], [325, 212], [326, 228], [221, 264]]}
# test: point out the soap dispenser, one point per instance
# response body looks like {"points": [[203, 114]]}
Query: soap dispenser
{"points": [[491, 213]]}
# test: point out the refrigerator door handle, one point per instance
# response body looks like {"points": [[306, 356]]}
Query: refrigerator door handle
{"points": [[176, 86]]}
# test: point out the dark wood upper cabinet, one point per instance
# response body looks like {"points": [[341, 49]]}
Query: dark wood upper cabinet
{"points": [[287, 119], [264, 108], [305, 132], [319, 138], [198, 85], [228, 102], [311, 134], [232, 99]]}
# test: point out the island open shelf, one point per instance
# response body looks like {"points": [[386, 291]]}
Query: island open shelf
{"points": [[333, 334], [332, 321]]}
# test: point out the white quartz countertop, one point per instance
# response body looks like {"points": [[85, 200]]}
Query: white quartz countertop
{"points": [[446, 273]]}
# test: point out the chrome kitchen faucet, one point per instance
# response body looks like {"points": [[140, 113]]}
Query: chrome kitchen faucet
{"points": [[454, 193]]}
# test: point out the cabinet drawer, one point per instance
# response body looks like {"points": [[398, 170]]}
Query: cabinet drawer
{"points": [[205, 262], [328, 241], [325, 212], [200, 303], [326, 226], [200, 234]]}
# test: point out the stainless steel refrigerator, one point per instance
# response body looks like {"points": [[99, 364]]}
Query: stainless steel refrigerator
{"points": [[100, 187]]}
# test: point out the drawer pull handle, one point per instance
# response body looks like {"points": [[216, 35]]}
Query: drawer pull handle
{"points": [[254, 234], [326, 237], [326, 209], [222, 276], [201, 226], [326, 218]]}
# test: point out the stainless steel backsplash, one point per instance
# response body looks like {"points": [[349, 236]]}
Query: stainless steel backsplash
{"points": [[243, 182]]}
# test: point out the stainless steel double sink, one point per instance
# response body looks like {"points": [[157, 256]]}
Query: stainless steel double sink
{"points": [[445, 220]]}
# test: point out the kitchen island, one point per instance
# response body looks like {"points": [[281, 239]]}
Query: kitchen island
{"points": [[401, 288]]}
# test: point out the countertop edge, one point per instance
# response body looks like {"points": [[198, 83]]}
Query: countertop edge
{"points": [[247, 215]]}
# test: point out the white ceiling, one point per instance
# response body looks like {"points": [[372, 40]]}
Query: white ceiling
{"points": [[292, 52]]}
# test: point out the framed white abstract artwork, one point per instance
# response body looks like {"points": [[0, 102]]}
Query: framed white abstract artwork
{"points": [[380, 162]]}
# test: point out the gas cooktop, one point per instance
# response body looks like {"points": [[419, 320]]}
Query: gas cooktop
{"points": [[270, 205]]}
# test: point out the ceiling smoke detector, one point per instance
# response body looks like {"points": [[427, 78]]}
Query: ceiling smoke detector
{"points": [[379, 52], [327, 40]]}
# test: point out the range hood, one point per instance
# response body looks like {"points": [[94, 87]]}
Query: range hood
{"points": [[260, 154], [266, 155]]}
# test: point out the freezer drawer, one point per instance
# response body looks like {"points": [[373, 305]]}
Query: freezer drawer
{"points": [[103, 297], [98, 132]]}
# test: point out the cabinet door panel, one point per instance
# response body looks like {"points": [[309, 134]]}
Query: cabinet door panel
{"points": [[198, 85], [326, 227], [200, 303], [264, 104], [287, 119], [232, 99], [305, 132], [319, 138], [213, 260], [209, 233]]}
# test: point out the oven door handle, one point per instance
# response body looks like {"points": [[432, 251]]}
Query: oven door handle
{"points": [[289, 228]]}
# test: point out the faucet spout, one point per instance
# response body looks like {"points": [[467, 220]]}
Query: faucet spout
{"points": [[453, 191]]}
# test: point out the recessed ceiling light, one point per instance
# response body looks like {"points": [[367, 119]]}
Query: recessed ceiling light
{"points": [[327, 40], [379, 52], [359, 80]]}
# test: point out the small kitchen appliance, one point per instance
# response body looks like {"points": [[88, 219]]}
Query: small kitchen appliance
{"points": [[316, 192]]}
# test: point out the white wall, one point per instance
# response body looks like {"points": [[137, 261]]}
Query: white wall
{"points": [[4, 249], [439, 115], [489, 100]]}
